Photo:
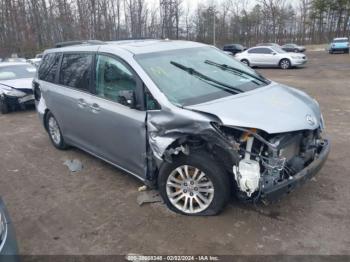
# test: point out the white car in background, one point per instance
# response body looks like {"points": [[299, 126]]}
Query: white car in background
{"points": [[16, 85], [271, 56]]}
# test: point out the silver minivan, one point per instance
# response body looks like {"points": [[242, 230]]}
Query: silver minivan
{"points": [[182, 117]]}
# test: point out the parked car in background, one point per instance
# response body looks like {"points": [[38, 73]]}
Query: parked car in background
{"points": [[293, 48], [15, 59], [34, 61], [339, 45], [234, 48], [269, 44], [182, 117], [271, 56], [16, 86], [8, 243]]}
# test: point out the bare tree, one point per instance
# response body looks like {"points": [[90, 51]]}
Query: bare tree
{"points": [[29, 26]]}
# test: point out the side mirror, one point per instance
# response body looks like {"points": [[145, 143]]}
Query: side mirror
{"points": [[127, 98], [274, 53]]}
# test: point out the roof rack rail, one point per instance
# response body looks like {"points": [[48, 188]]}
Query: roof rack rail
{"points": [[84, 42]]}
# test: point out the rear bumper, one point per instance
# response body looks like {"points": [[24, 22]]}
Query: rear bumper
{"points": [[287, 186]]}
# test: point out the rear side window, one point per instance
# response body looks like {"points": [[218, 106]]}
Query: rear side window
{"points": [[48, 67], [76, 71], [260, 51]]}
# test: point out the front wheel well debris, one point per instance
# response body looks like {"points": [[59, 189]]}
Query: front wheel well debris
{"points": [[191, 144]]}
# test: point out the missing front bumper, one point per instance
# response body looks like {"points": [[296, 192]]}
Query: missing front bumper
{"points": [[287, 186]]}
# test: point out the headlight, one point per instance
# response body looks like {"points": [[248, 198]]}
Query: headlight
{"points": [[14, 92], [2, 228], [322, 124], [296, 57]]}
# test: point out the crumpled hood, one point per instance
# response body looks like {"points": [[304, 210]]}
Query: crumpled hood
{"points": [[23, 83], [275, 109]]}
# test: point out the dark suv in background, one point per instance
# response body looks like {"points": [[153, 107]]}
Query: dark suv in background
{"points": [[234, 48]]}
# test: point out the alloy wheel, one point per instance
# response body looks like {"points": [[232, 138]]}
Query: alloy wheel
{"points": [[54, 131], [285, 64], [189, 189]]}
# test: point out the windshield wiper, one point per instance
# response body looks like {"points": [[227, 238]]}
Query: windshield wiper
{"points": [[236, 70], [218, 84]]}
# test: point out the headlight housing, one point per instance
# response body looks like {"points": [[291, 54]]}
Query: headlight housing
{"points": [[296, 57], [322, 124], [14, 93], [3, 229], [11, 91]]}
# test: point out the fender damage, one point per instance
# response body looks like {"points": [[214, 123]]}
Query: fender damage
{"points": [[171, 133], [262, 165]]}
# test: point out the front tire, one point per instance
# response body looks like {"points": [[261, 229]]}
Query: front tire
{"points": [[285, 64], [194, 185], [4, 108], [246, 62], [54, 131]]}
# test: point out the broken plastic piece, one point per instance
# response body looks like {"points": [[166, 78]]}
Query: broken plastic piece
{"points": [[142, 188], [74, 165]]}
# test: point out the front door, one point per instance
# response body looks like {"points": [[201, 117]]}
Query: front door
{"points": [[119, 131]]}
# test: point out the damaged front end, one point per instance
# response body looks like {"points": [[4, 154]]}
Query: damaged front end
{"points": [[272, 165], [262, 166]]}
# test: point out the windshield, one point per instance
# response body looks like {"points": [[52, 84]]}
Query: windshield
{"points": [[16, 72], [341, 40], [197, 75]]}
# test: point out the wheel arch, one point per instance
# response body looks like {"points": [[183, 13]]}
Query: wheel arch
{"points": [[245, 59], [214, 147], [44, 119], [285, 58]]}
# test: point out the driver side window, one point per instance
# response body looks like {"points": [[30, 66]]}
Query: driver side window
{"points": [[112, 78]]}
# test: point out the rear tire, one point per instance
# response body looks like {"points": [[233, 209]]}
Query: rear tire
{"points": [[4, 108], [285, 64], [54, 132], [245, 61], [191, 179]]}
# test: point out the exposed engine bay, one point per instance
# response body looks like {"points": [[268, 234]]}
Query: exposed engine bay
{"points": [[267, 160]]}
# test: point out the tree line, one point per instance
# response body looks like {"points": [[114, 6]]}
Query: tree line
{"points": [[29, 26]]}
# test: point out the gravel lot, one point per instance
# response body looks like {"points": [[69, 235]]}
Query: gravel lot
{"points": [[95, 211]]}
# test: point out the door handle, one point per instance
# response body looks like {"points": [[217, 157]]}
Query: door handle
{"points": [[82, 103], [95, 108]]}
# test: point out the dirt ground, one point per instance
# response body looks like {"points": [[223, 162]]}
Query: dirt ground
{"points": [[95, 211]]}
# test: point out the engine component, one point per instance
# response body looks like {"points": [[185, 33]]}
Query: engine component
{"points": [[247, 174]]}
